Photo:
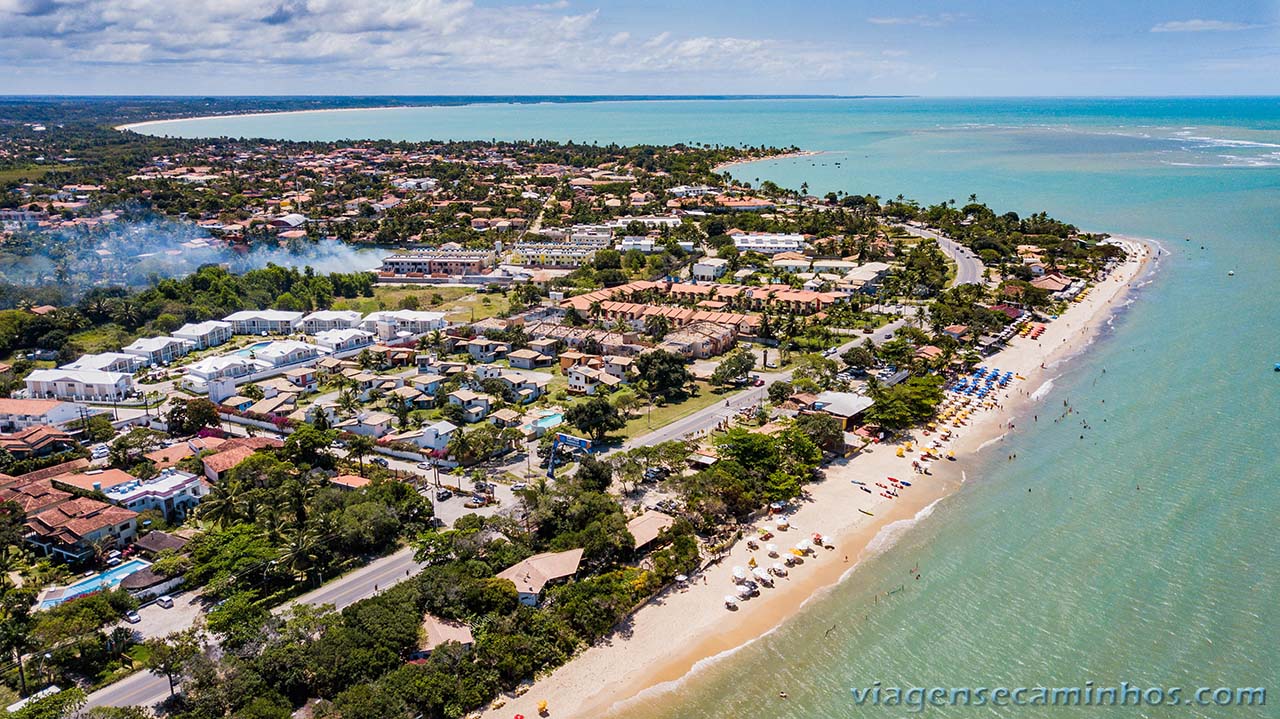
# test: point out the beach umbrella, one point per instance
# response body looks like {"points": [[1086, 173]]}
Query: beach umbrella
{"points": [[729, 600], [779, 569], [681, 578], [772, 549], [762, 575], [739, 573], [751, 562], [744, 592], [797, 552], [804, 545]]}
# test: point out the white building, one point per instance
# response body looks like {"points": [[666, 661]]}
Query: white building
{"points": [[318, 322], [650, 221], [107, 362], [392, 324], [159, 350], [19, 414], [710, 269], [210, 369], [768, 243], [287, 352], [205, 334], [434, 436], [173, 492], [646, 245], [258, 322], [343, 340], [85, 384]]}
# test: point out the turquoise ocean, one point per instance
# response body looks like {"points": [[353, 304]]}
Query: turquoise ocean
{"points": [[1147, 552]]}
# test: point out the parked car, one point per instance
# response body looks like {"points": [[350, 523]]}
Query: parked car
{"points": [[165, 601], [443, 495], [379, 461], [519, 486], [758, 382], [425, 465], [132, 617]]}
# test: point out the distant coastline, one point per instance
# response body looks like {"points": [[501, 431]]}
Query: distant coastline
{"points": [[467, 100]]}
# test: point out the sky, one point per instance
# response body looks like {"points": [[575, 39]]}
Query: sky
{"points": [[611, 47]]}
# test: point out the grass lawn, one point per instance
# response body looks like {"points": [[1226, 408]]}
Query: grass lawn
{"points": [[29, 174], [462, 304], [107, 338], [662, 416]]}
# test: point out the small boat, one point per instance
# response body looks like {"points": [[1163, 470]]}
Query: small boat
{"points": [[1231, 273], [869, 514], [904, 483], [886, 495], [865, 484], [881, 485], [870, 492]]}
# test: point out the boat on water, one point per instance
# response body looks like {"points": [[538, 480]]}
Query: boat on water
{"points": [[866, 490], [869, 514]]}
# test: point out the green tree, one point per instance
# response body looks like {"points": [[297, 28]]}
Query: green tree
{"points": [[360, 446], [663, 374], [595, 417], [734, 367], [309, 447], [779, 391], [170, 655]]}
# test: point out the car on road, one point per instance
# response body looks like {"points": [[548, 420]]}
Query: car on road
{"points": [[443, 495], [425, 465], [868, 330], [378, 461], [758, 382], [519, 486], [132, 617]]}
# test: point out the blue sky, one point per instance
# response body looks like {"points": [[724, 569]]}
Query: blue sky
{"points": [[1000, 47]]}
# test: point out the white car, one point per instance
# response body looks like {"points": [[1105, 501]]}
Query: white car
{"points": [[519, 486], [165, 601]]}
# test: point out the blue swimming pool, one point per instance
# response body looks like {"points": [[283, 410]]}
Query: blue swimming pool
{"points": [[246, 351], [109, 579], [549, 421]]}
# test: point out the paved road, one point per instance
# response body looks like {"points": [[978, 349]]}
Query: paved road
{"points": [[969, 269], [146, 689]]}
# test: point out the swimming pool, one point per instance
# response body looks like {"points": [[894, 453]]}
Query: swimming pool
{"points": [[246, 351], [549, 421], [109, 579]]}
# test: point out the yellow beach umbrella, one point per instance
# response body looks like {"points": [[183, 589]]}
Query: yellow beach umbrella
{"points": [[901, 453]]}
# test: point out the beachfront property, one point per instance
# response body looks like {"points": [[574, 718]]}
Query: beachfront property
{"points": [[343, 341], [156, 351], [172, 491], [768, 243], [436, 632], [532, 575], [87, 385], [20, 414], [390, 325], [709, 269], [107, 362], [323, 320], [73, 529], [263, 322], [204, 335]]}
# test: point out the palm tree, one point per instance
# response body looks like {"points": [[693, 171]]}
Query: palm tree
{"points": [[360, 446], [221, 506], [301, 552], [348, 402]]}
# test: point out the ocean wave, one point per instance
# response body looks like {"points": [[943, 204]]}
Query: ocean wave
{"points": [[991, 441], [1043, 390], [890, 533]]}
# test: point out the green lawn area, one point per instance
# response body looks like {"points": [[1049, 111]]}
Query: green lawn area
{"points": [[662, 416], [463, 304], [29, 174], [107, 338]]}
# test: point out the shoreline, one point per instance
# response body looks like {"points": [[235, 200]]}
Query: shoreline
{"points": [[683, 630], [783, 156]]}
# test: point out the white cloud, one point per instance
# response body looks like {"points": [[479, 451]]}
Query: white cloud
{"points": [[1201, 26], [406, 46], [945, 18]]}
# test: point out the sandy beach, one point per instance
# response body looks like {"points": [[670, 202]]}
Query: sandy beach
{"points": [[784, 156], [667, 638]]}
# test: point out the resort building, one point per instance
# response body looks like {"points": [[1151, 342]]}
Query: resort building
{"points": [[646, 528], [438, 262], [532, 575], [72, 530], [389, 325], [546, 254], [204, 335], [19, 414], [263, 322], [107, 362], [318, 322], [172, 492], [700, 340], [434, 437], [202, 372], [768, 243], [342, 341], [156, 351], [710, 269], [286, 352], [647, 245], [370, 424], [88, 385], [436, 632]]}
